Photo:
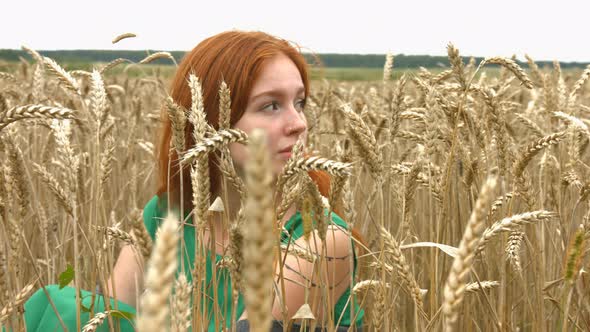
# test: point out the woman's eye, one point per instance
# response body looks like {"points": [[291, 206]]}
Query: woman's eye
{"points": [[300, 105], [274, 106]]}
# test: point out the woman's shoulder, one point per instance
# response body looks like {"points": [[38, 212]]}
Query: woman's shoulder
{"points": [[294, 226]]}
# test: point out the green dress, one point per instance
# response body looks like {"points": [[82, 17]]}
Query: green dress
{"points": [[40, 316]]}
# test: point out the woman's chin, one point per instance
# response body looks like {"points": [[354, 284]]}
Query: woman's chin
{"points": [[278, 165]]}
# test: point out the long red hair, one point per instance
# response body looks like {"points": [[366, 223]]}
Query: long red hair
{"points": [[235, 57]]}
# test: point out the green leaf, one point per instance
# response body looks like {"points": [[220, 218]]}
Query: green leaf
{"points": [[84, 308], [66, 277], [123, 314]]}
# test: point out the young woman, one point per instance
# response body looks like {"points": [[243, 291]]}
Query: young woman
{"points": [[269, 87]]}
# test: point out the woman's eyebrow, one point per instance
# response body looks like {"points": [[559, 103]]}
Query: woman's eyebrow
{"points": [[275, 93]]}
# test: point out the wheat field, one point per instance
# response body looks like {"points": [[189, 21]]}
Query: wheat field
{"points": [[471, 191]]}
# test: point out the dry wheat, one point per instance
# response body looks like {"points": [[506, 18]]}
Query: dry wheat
{"points": [[258, 236]]}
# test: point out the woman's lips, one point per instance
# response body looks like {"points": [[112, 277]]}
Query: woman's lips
{"points": [[285, 154]]}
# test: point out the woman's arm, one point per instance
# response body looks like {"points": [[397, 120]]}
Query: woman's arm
{"points": [[127, 276], [302, 277]]}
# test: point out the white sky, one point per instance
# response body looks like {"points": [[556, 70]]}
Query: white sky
{"points": [[544, 30]]}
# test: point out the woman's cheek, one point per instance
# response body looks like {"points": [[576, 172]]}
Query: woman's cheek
{"points": [[238, 153]]}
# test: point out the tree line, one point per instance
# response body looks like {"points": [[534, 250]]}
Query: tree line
{"points": [[325, 59]]}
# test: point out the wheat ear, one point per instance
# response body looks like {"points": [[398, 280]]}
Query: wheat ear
{"points": [[259, 241], [123, 36], [214, 142], [157, 55], [113, 64], [62, 197], [533, 149], [117, 233], [7, 77], [19, 299], [34, 54], [401, 265], [159, 278], [387, 67], [474, 287], [34, 111], [177, 117], [140, 234], [96, 321], [62, 75], [513, 67], [365, 140], [455, 286], [580, 82], [181, 304], [513, 249], [224, 106], [318, 163], [98, 97], [512, 223], [457, 65]]}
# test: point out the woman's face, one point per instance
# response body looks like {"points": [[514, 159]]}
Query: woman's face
{"points": [[275, 105]]}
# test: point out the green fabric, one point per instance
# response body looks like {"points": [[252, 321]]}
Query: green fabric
{"points": [[40, 315], [153, 216]]}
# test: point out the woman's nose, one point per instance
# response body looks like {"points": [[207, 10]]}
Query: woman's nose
{"points": [[296, 122]]}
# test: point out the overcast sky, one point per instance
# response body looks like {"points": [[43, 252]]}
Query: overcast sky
{"points": [[544, 30]]}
